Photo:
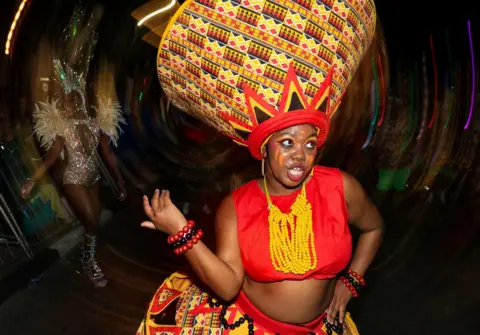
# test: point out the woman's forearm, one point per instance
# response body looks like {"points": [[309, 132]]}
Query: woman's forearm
{"points": [[365, 216], [52, 157], [45, 166], [223, 272], [367, 247], [113, 165], [40, 172], [109, 157], [214, 272]]}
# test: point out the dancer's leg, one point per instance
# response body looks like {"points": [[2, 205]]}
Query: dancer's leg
{"points": [[82, 204], [95, 197], [86, 208]]}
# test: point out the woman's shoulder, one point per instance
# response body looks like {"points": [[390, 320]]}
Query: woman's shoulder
{"points": [[332, 178], [244, 189], [237, 197], [325, 171], [328, 178]]}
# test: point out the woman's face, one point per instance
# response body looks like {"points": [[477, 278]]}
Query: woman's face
{"points": [[73, 104], [290, 155]]}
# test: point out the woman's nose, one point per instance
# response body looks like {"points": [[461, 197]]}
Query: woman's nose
{"points": [[299, 154]]}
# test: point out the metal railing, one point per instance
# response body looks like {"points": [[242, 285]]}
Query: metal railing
{"points": [[27, 224], [16, 238]]}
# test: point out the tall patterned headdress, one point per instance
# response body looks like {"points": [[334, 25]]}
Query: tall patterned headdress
{"points": [[253, 67]]}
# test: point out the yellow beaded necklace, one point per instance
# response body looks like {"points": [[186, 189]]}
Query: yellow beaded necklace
{"points": [[292, 242]]}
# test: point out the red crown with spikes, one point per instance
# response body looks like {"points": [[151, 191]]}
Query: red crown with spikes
{"points": [[293, 110]]}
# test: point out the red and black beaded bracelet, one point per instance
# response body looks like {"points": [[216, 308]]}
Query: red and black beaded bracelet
{"points": [[190, 243], [186, 238], [174, 238], [353, 281], [359, 278]]}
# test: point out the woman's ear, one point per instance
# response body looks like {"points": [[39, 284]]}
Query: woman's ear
{"points": [[264, 152]]}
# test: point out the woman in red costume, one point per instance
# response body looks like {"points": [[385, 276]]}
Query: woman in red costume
{"points": [[284, 262]]}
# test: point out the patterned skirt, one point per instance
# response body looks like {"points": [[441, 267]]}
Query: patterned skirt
{"points": [[197, 313]]}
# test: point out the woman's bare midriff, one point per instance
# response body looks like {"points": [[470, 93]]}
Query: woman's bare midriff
{"points": [[295, 302]]}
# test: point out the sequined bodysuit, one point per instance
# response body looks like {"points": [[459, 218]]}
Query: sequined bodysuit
{"points": [[81, 142]]}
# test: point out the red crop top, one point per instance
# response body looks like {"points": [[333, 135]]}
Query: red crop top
{"points": [[333, 242]]}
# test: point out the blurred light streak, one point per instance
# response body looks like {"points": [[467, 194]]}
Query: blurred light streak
{"points": [[161, 10], [372, 124], [380, 122], [13, 26], [411, 121], [472, 57], [425, 97], [435, 74], [416, 96], [374, 96], [447, 35], [449, 96], [375, 77]]}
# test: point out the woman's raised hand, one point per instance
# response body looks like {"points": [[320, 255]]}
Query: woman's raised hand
{"points": [[163, 214]]}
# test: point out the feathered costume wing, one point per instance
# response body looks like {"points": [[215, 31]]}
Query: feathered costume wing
{"points": [[109, 118], [49, 123]]}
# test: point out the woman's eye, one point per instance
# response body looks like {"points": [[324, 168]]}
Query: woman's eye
{"points": [[311, 145], [287, 143]]}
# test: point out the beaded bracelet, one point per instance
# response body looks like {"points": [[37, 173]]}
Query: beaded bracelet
{"points": [[349, 286], [186, 238], [189, 245], [171, 239], [353, 281], [359, 278]]}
